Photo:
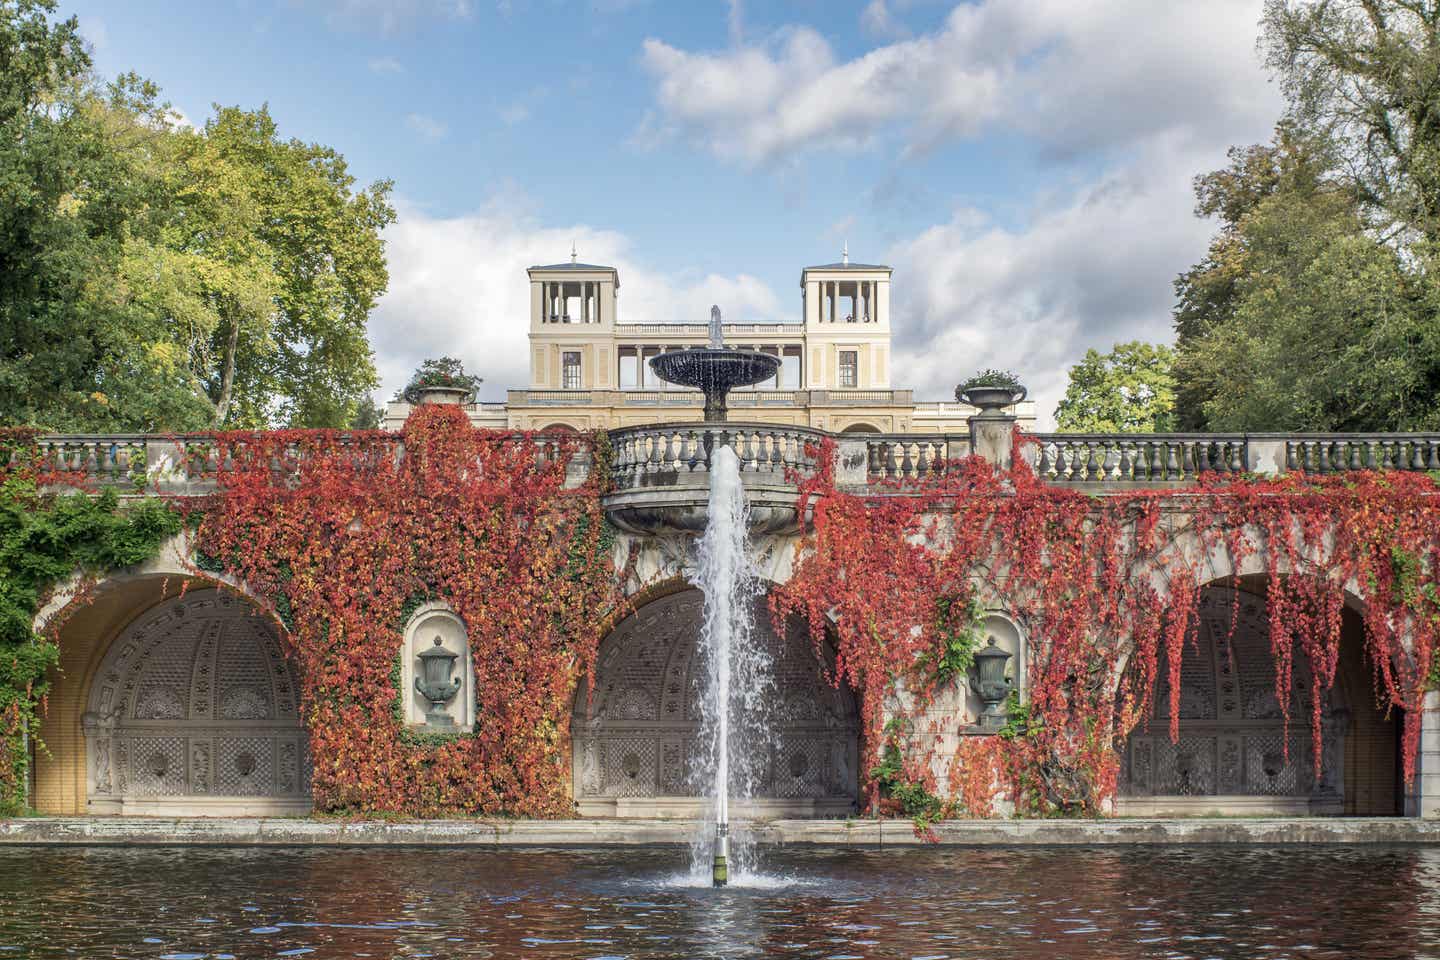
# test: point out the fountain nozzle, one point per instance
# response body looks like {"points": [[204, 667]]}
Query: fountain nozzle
{"points": [[720, 871]]}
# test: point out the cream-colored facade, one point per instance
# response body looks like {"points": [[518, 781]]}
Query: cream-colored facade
{"points": [[590, 370]]}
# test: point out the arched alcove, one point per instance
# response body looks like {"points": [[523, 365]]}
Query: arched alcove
{"points": [[436, 625], [1236, 753], [637, 738], [194, 710]]}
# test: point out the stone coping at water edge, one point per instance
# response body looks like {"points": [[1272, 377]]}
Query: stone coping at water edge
{"points": [[299, 832]]}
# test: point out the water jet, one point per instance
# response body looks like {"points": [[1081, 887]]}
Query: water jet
{"points": [[724, 574]]}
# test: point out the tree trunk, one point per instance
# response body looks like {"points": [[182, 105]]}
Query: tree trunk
{"points": [[227, 375]]}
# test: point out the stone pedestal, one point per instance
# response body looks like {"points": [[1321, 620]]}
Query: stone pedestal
{"points": [[992, 437]]}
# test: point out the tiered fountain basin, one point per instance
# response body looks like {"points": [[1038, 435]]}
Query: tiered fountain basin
{"points": [[715, 371], [661, 474]]}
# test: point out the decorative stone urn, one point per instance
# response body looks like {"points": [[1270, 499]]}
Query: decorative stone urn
{"points": [[991, 685], [435, 683], [989, 400], [441, 394]]}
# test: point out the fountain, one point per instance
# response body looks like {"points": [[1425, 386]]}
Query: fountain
{"points": [[714, 370], [738, 667]]}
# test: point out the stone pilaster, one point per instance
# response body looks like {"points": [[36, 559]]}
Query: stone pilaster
{"points": [[992, 437], [1427, 769]]}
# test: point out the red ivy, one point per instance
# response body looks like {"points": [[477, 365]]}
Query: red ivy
{"points": [[1106, 590], [340, 534]]}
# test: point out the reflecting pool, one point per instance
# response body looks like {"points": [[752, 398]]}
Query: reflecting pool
{"points": [[1313, 902]]}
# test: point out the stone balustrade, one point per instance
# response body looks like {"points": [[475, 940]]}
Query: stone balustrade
{"points": [[1338, 452], [661, 473], [900, 456], [176, 464], [1135, 458], [678, 455], [669, 454]]}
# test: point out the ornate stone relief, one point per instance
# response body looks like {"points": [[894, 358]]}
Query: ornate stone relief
{"points": [[637, 736], [194, 702], [663, 557], [1233, 736], [431, 623]]}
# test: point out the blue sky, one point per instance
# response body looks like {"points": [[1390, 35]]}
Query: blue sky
{"points": [[1024, 164]]}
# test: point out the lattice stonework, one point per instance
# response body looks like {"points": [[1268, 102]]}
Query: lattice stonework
{"points": [[1232, 732], [639, 734], [195, 700]]}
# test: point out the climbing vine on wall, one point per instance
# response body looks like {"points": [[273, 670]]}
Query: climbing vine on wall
{"points": [[344, 530], [46, 536], [1106, 591]]}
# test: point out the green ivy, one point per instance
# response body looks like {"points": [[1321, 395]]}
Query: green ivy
{"points": [[44, 538], [1020, 721], [957, 624], [915, 801]]}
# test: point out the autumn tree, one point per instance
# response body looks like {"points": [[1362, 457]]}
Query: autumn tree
{"points": [[158, 277]]}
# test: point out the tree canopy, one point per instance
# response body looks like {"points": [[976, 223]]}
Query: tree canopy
{"points": [[1315, 307], [156, 276], [1128, 390]]}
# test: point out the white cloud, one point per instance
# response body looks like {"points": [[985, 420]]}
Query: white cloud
{"points": [[877, 20], [514, 113], [1144, 94], [1073, 74], [458, 288], [385, 65], [427, 126], [735, 21], [390, 15], [1089, 272]]}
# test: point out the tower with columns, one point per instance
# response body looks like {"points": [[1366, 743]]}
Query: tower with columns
{"points": [[847, 325], [572, 322]]}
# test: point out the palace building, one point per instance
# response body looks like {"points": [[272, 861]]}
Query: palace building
{"points": [[589, 369]]}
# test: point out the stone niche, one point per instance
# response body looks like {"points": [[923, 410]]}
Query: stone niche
{"points": [[1007, 637], [427, 624]]}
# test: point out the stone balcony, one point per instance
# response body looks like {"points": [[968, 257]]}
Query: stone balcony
{"points": [[662, 474]]}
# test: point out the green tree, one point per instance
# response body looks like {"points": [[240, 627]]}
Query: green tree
{"points": [[285, 258], [1316, 305], [1128, 390], [156, 277], [1300, 318], [1367, 74]]}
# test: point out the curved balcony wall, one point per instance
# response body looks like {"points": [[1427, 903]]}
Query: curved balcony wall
{"points": [[662, 474]]}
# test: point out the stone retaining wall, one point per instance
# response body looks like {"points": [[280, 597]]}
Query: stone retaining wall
{"points": [[160, 831]]}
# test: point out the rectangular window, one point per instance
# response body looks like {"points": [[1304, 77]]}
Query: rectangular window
{"points": [[570, 370], [629, 369], [849, 368]]}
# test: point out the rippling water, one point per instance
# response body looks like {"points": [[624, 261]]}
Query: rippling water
{"points": [[1316, 902]]}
